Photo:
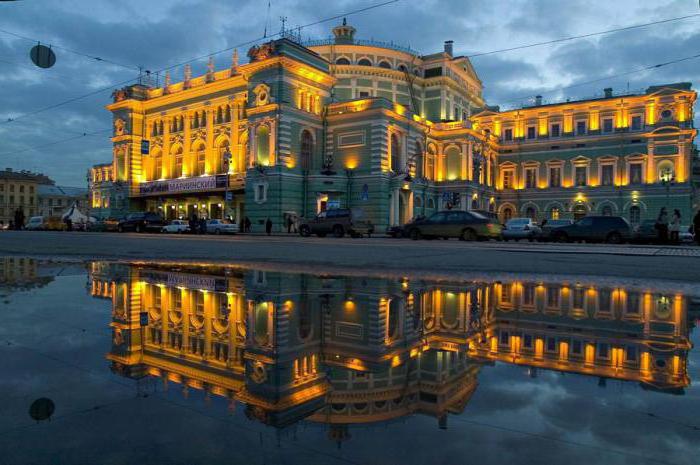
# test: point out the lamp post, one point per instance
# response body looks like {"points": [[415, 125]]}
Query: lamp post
{"points": [[349, 173]]}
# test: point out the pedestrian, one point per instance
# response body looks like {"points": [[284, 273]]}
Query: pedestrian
{"points": [[202, 225], [661, 226], [289, 224], [69, 224], [696, 227], [268, 226], [675, 227], [11, 225], [246, 225], [193, 224]]}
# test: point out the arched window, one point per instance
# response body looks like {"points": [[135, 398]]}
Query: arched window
{"points": [[200, 161], [531, 213], [395, 154], [342, 61], [203, 121], [507, 214], [666, 171], [219, 116], [431, 203], [262, 143], [195, 121], [454, 163], [607, 210], [177, 162], [635, 214], [227, 114], [554, 213], [450, 309], [260, 333], [475, 204], [157, 166], [402, 68], [418, 160], [160, 128], [224, 161], [364, 62], [182, 123], [418, 201], [306, 149], [392, 330], [384, 64], [304, 322]]}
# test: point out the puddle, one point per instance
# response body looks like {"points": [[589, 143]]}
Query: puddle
{"points": [[108, 362]]}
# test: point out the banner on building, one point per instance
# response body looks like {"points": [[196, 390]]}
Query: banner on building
{"points": [[199, 183]]}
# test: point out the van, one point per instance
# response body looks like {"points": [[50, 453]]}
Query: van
{"points": [[35, 223], [338, 221]]}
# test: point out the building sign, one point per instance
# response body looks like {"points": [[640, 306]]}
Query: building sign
{"points": [[188, 281], [199, 183]]}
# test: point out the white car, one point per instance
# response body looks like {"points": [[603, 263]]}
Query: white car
{"points": [[221, 227], [521, 228], [176, 226], [685, 235], [35, 223]]}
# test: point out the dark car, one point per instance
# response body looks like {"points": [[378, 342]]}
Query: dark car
{"points": [[646, 232], [548, 227], [141, 222], [468, 226], [610, 229], [338, 221]]}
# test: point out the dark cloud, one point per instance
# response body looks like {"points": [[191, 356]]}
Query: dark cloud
{"points": [[156, 35]]}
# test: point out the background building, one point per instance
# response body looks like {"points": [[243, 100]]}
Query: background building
{"points": [[18, 190], [107, 198], [55, 200]]}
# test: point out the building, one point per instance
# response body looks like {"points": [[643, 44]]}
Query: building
{"points": [[354, 123], [107, 198], [347, 350], [18, 190], [56, 200]]}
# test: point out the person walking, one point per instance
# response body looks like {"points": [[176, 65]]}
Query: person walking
{"points": [[246, 225], [193, 224], [662, 226], [268, 227], [289, 224], [675, 227], [696, 227]]}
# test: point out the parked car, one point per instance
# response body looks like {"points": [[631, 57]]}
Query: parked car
{"points": [[468, 226], [176, 226], [141, 222], [215, 226], [338, 221], [686, 235], [35, 223], [521, 228], [611, 229], [550, 226]]}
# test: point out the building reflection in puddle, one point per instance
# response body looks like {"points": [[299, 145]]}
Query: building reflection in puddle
{"points": [[344, 350]]}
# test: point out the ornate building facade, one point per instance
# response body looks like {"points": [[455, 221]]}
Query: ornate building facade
{"points": [[354, 123]]}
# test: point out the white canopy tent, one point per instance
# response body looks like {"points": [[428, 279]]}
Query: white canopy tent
{"points": [[75, 215]]}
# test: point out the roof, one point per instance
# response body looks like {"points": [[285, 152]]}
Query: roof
{"points": [[9, 173], [61, 191]]}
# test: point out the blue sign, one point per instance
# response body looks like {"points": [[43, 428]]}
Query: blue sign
{"points": [[333, 204], [143, 318], [229, 196], [145, 146], [365, 193]]}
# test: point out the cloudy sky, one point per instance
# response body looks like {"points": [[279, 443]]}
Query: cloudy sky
{"points": [[159, 34]]}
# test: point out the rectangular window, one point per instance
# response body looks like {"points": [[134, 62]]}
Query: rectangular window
{"points": [[530, 178], [508, 179], [579, 294], [635, 173], [505, 294], [576, 347], [604, 296], [555, 176], [527, 341], [636, 123], [580, 128], [631, 354], [364, 93], [581, 175], [504, 338], [531, 132], [606, 175], [508, 134], [551, 344], [351, 139], [633, 301], [553, 295], [529, 295], [607, 125], [603, 351], [555, 130]]}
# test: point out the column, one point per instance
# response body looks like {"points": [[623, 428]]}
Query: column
{"points": [[395, 207], [410, 206], [210, 164], [470, 159], [464, 171], [234, 163], [650, 176], [273, 145], [186, 159], [166, 150]]}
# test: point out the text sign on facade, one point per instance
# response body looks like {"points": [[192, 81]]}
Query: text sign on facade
{"points": [[199, 183]]}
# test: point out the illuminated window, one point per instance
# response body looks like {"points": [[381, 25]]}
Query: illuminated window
{"points": [[508, 134], [157, 166], [581, 175], [554, 213], [201, 162], [506, 297], [262, 142], [666, 171], [430, 163], [395, 153], [508, 179], [454, 163], [606, 175], [224, 157], [177, 171]]}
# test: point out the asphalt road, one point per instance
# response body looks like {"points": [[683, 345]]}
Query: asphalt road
{"points": [[437, 258]]}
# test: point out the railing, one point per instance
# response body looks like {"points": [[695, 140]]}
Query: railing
{"points": [[366, 42]]}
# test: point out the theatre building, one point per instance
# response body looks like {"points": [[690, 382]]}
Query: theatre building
{"points": [[346, 122]]}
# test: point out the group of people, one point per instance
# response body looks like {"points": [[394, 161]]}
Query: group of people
{"points": [[18, 222], [669, 230]]}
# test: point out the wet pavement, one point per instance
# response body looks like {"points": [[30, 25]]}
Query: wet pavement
{"points": [[149, 362]]}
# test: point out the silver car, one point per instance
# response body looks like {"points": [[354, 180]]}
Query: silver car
{"points": [[221, 227], [521, 228]]}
